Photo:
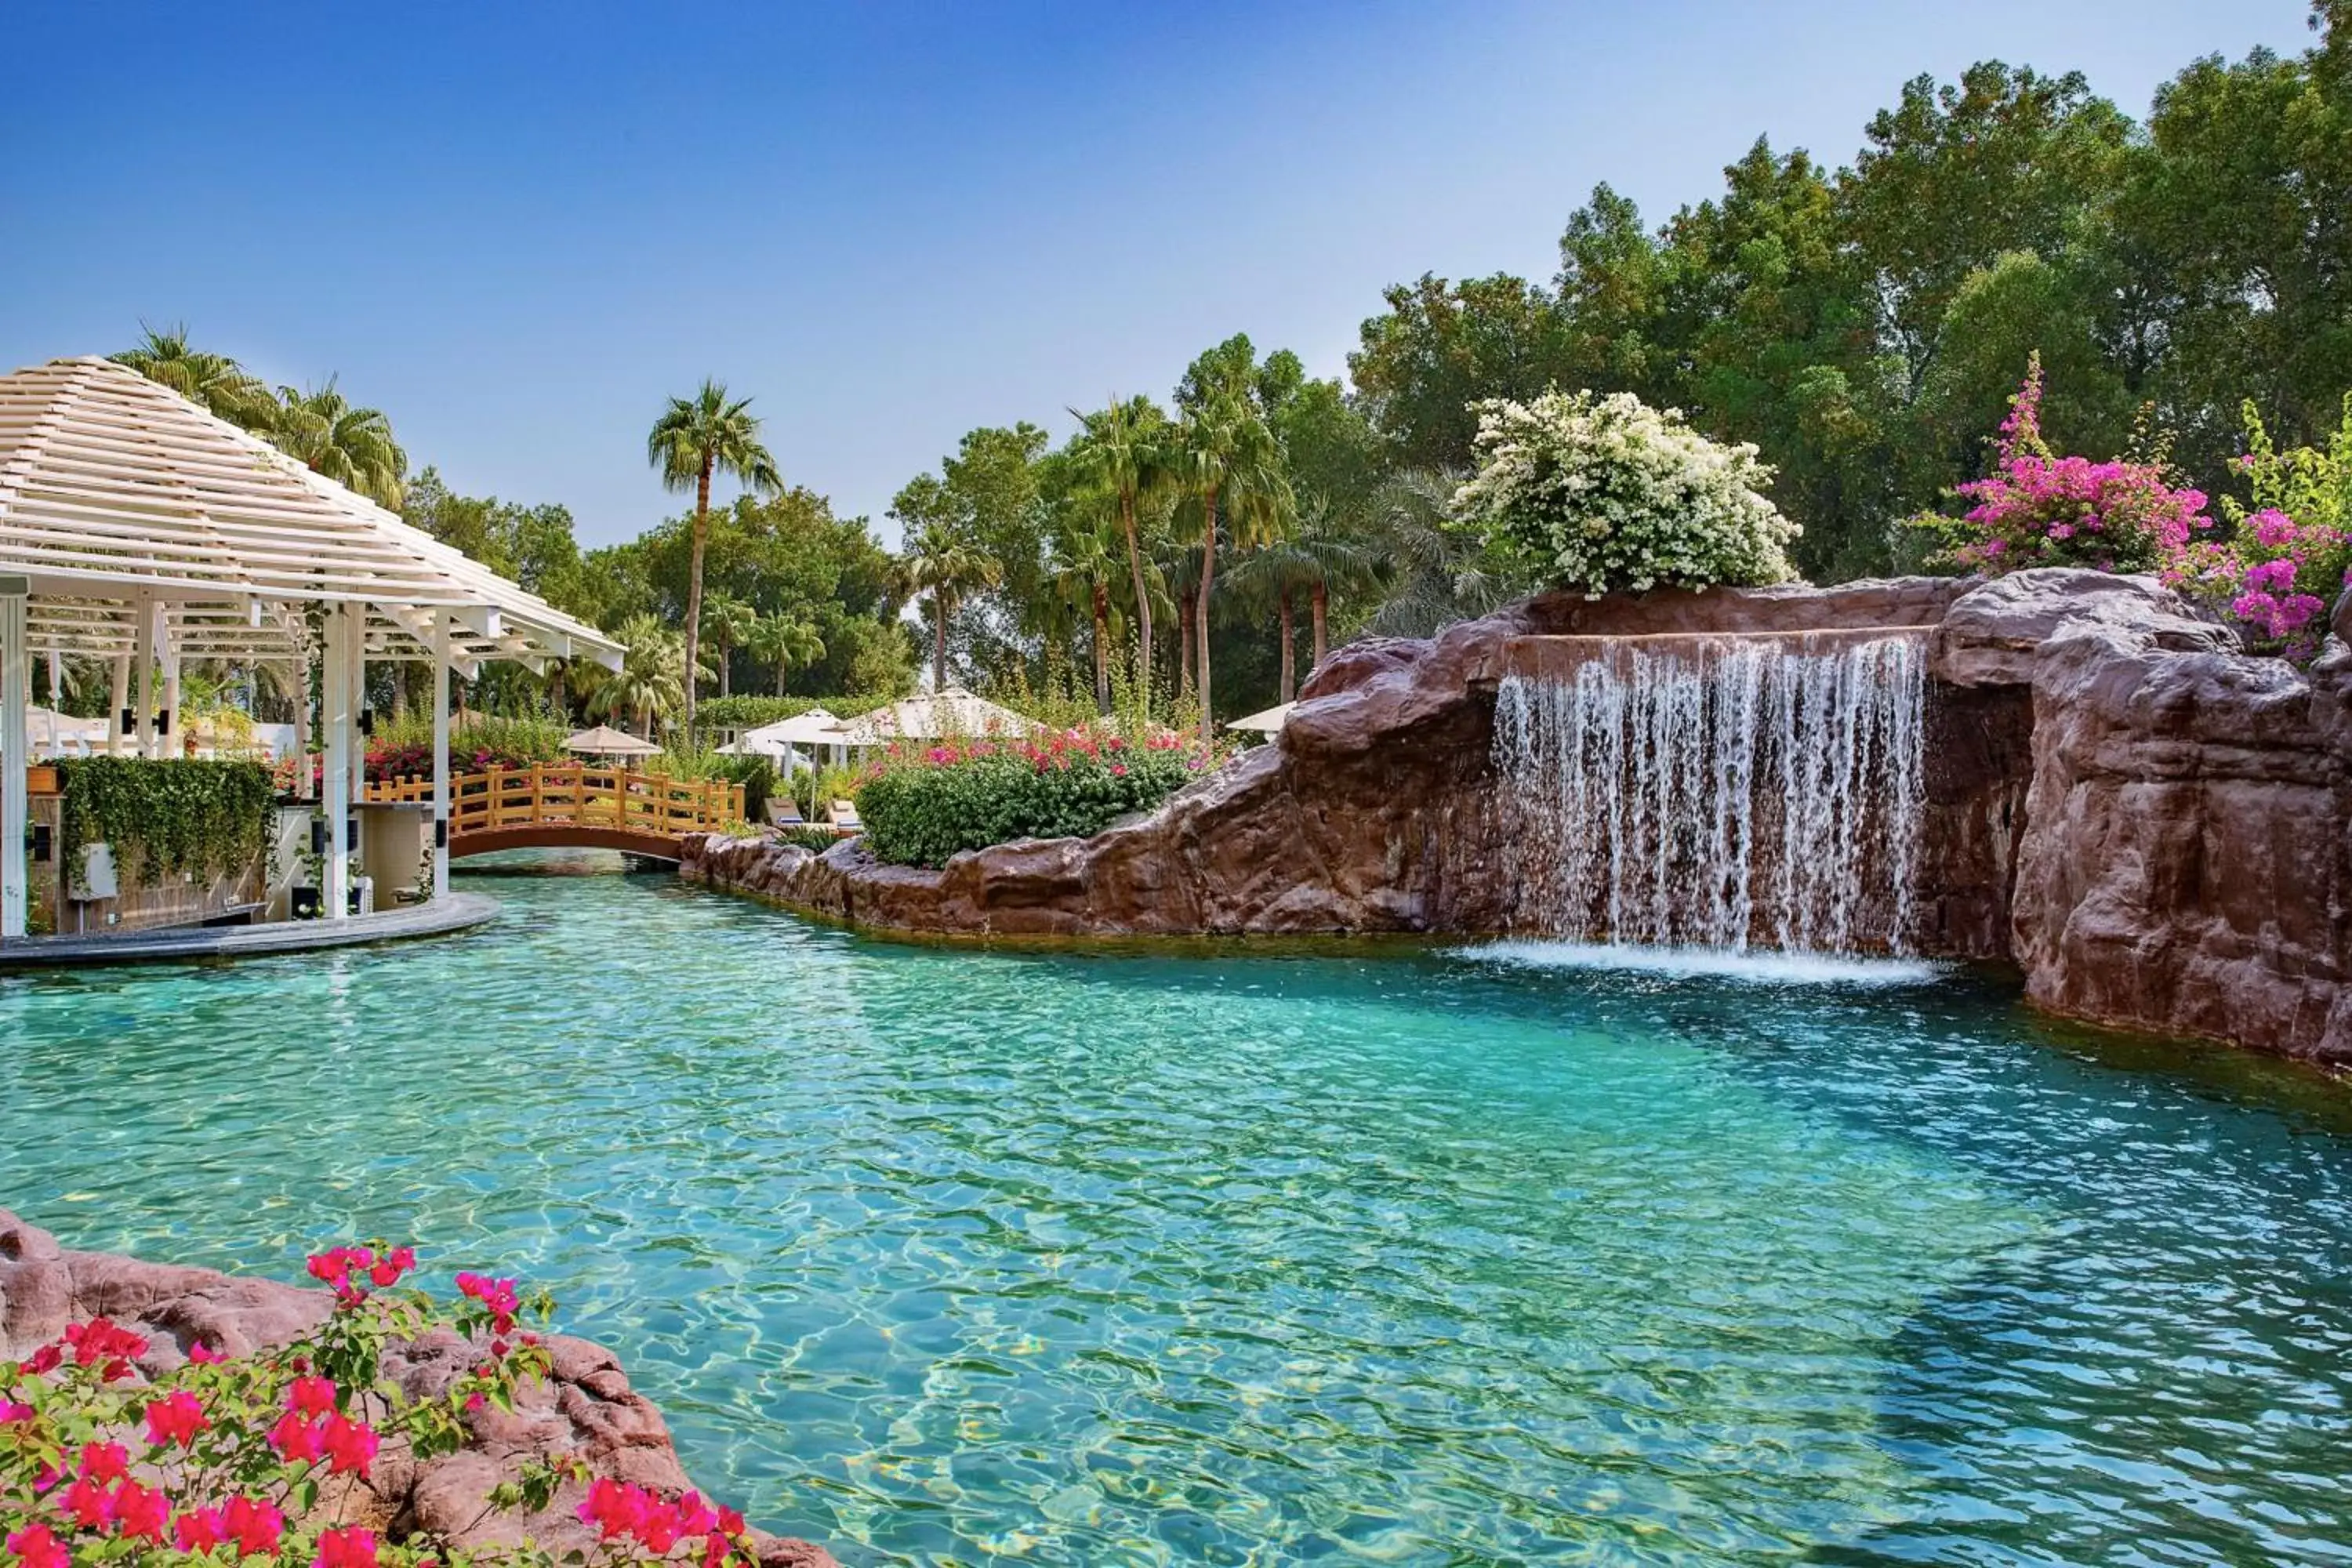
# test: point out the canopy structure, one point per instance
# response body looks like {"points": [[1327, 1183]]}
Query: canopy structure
{"points": [[783, 739], [1266, 721], [603, 741], [931, 717], [137, 528]]}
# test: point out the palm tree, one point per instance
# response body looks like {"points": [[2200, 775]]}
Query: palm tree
{"points": [[948, 566], [1224, 452], [353, 446], [693, 438], [783, 642], [1122, 450], [1434, 576], [727, 621], [1307, 560], [212, 382], [1080, 569], [650, 683]]}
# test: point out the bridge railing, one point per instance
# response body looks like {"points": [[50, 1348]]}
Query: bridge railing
{"points": [[576, 794]]}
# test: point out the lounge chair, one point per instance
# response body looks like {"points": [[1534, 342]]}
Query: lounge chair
{"points": [[843, 818], [783, 811]]}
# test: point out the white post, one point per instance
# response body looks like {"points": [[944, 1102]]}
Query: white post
{"points": [[143, 659], [170, 742], [15, 747], [306, 785], [118, 703], [335, 799], [440, 755]]}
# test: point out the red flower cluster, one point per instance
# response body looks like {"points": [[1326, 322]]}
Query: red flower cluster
{"points": [[37, 1546], [346, 1446], [103, 1495], [175, 1418], [618, 1508], [496, 1296], [101, 1343], [346, 1549], [344, 1267]]}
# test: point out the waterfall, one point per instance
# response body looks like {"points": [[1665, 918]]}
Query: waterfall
{"points": [[1719, 791]]}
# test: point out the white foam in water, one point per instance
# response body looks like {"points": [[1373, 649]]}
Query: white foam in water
{"points": [[1750, 968]]}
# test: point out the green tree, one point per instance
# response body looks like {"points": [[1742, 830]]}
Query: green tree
{"points": [[727, 621], [1122, 449], [1230, 465], [337, 440], [695, 439], [784, 644], [213, 383], [651, 683], [947, 567]]}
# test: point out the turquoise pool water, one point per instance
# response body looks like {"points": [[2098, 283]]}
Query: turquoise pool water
{"points": [[946, 1255]]}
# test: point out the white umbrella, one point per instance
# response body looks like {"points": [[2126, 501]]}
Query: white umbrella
{"points": [[1268, 721], [603, 741], [932, 717]]}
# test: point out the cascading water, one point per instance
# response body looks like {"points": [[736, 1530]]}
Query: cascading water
{"points": [[1721, 790]]}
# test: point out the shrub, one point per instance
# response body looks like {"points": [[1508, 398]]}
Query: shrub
{"points": [[1606, 494], [2288, 557], [924, 802], [750, 712], [165, 817], [250, 1459], [2038, 508]]}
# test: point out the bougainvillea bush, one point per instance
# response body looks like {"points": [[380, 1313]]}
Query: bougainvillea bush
{"points": [[2289, 556], [923, 802], [255, 1460], [1608, 494], [2040, 509]]}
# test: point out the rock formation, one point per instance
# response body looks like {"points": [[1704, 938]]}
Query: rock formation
{"points": [[2150, 823], [584, 1409]]}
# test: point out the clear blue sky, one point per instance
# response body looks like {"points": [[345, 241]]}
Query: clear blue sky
{"points": [[516, 228]]}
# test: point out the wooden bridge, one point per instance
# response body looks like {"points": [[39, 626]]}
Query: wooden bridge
{"points": [[572, 806]]}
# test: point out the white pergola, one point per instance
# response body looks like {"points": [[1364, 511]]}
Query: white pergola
{"points": [[137, 528]]}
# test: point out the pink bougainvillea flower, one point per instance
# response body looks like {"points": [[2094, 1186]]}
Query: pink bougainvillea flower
{"points": [[199, 1529], [175, 1418], [298, 1440], [349, 1444], [204, 1355], [37, 1546], [346, 1549], [89, 1504], [255, 1525], [104, 1461], [12, 1411], [43, 1361], [310, 1395], [141, 1510], [99, 1343]]}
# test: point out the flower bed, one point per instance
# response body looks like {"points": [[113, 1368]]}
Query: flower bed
{"points": [[924, 802], [267, 1458]]}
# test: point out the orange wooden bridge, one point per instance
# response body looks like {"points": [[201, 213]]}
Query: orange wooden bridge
{"points": [[573, 807]]}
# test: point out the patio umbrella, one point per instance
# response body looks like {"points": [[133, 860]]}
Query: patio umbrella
{"points": [[1266, 721], [932, 717], [603, 741]]}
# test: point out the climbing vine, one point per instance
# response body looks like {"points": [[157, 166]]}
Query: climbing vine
{"points": [[165, 817]]}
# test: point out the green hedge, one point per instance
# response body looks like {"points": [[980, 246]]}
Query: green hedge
{"points": [[750, 712], [921, 813], [165, 816]]}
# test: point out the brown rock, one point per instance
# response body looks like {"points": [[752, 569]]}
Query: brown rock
{"points": [[1992, 635]]}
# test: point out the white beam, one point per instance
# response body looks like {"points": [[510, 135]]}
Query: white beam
{"points": [[118, 699], [335, 878], [482, 620], [440, 888], [142, 660], [16, 746]]}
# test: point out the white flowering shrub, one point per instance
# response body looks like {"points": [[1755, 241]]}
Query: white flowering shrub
{"points": [[1605, 494]]}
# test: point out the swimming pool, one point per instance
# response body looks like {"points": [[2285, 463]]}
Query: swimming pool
{"points": [[1249, 1256]]}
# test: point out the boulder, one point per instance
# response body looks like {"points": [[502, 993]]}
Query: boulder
{"points": [[583, 1409], [1992, 635]]}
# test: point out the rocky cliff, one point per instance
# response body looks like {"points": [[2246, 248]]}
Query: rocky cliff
{"points": [[584, 1409], [2149, 822]]}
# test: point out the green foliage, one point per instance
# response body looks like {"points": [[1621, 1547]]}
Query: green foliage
{"points": [[815, 840], [165, 817], [933, 802], [757, 774]]}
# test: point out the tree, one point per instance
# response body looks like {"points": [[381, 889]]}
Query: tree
{"points": [[1122, 449], [214, 382], [651, 683], [785, 644], [695, 439], [1083, 560], [1303, 563], [337, 440], [1231, 463], [727, 622], [946, 566]]}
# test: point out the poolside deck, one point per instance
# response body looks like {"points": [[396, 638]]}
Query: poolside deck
{"points": [[458, 912]]}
